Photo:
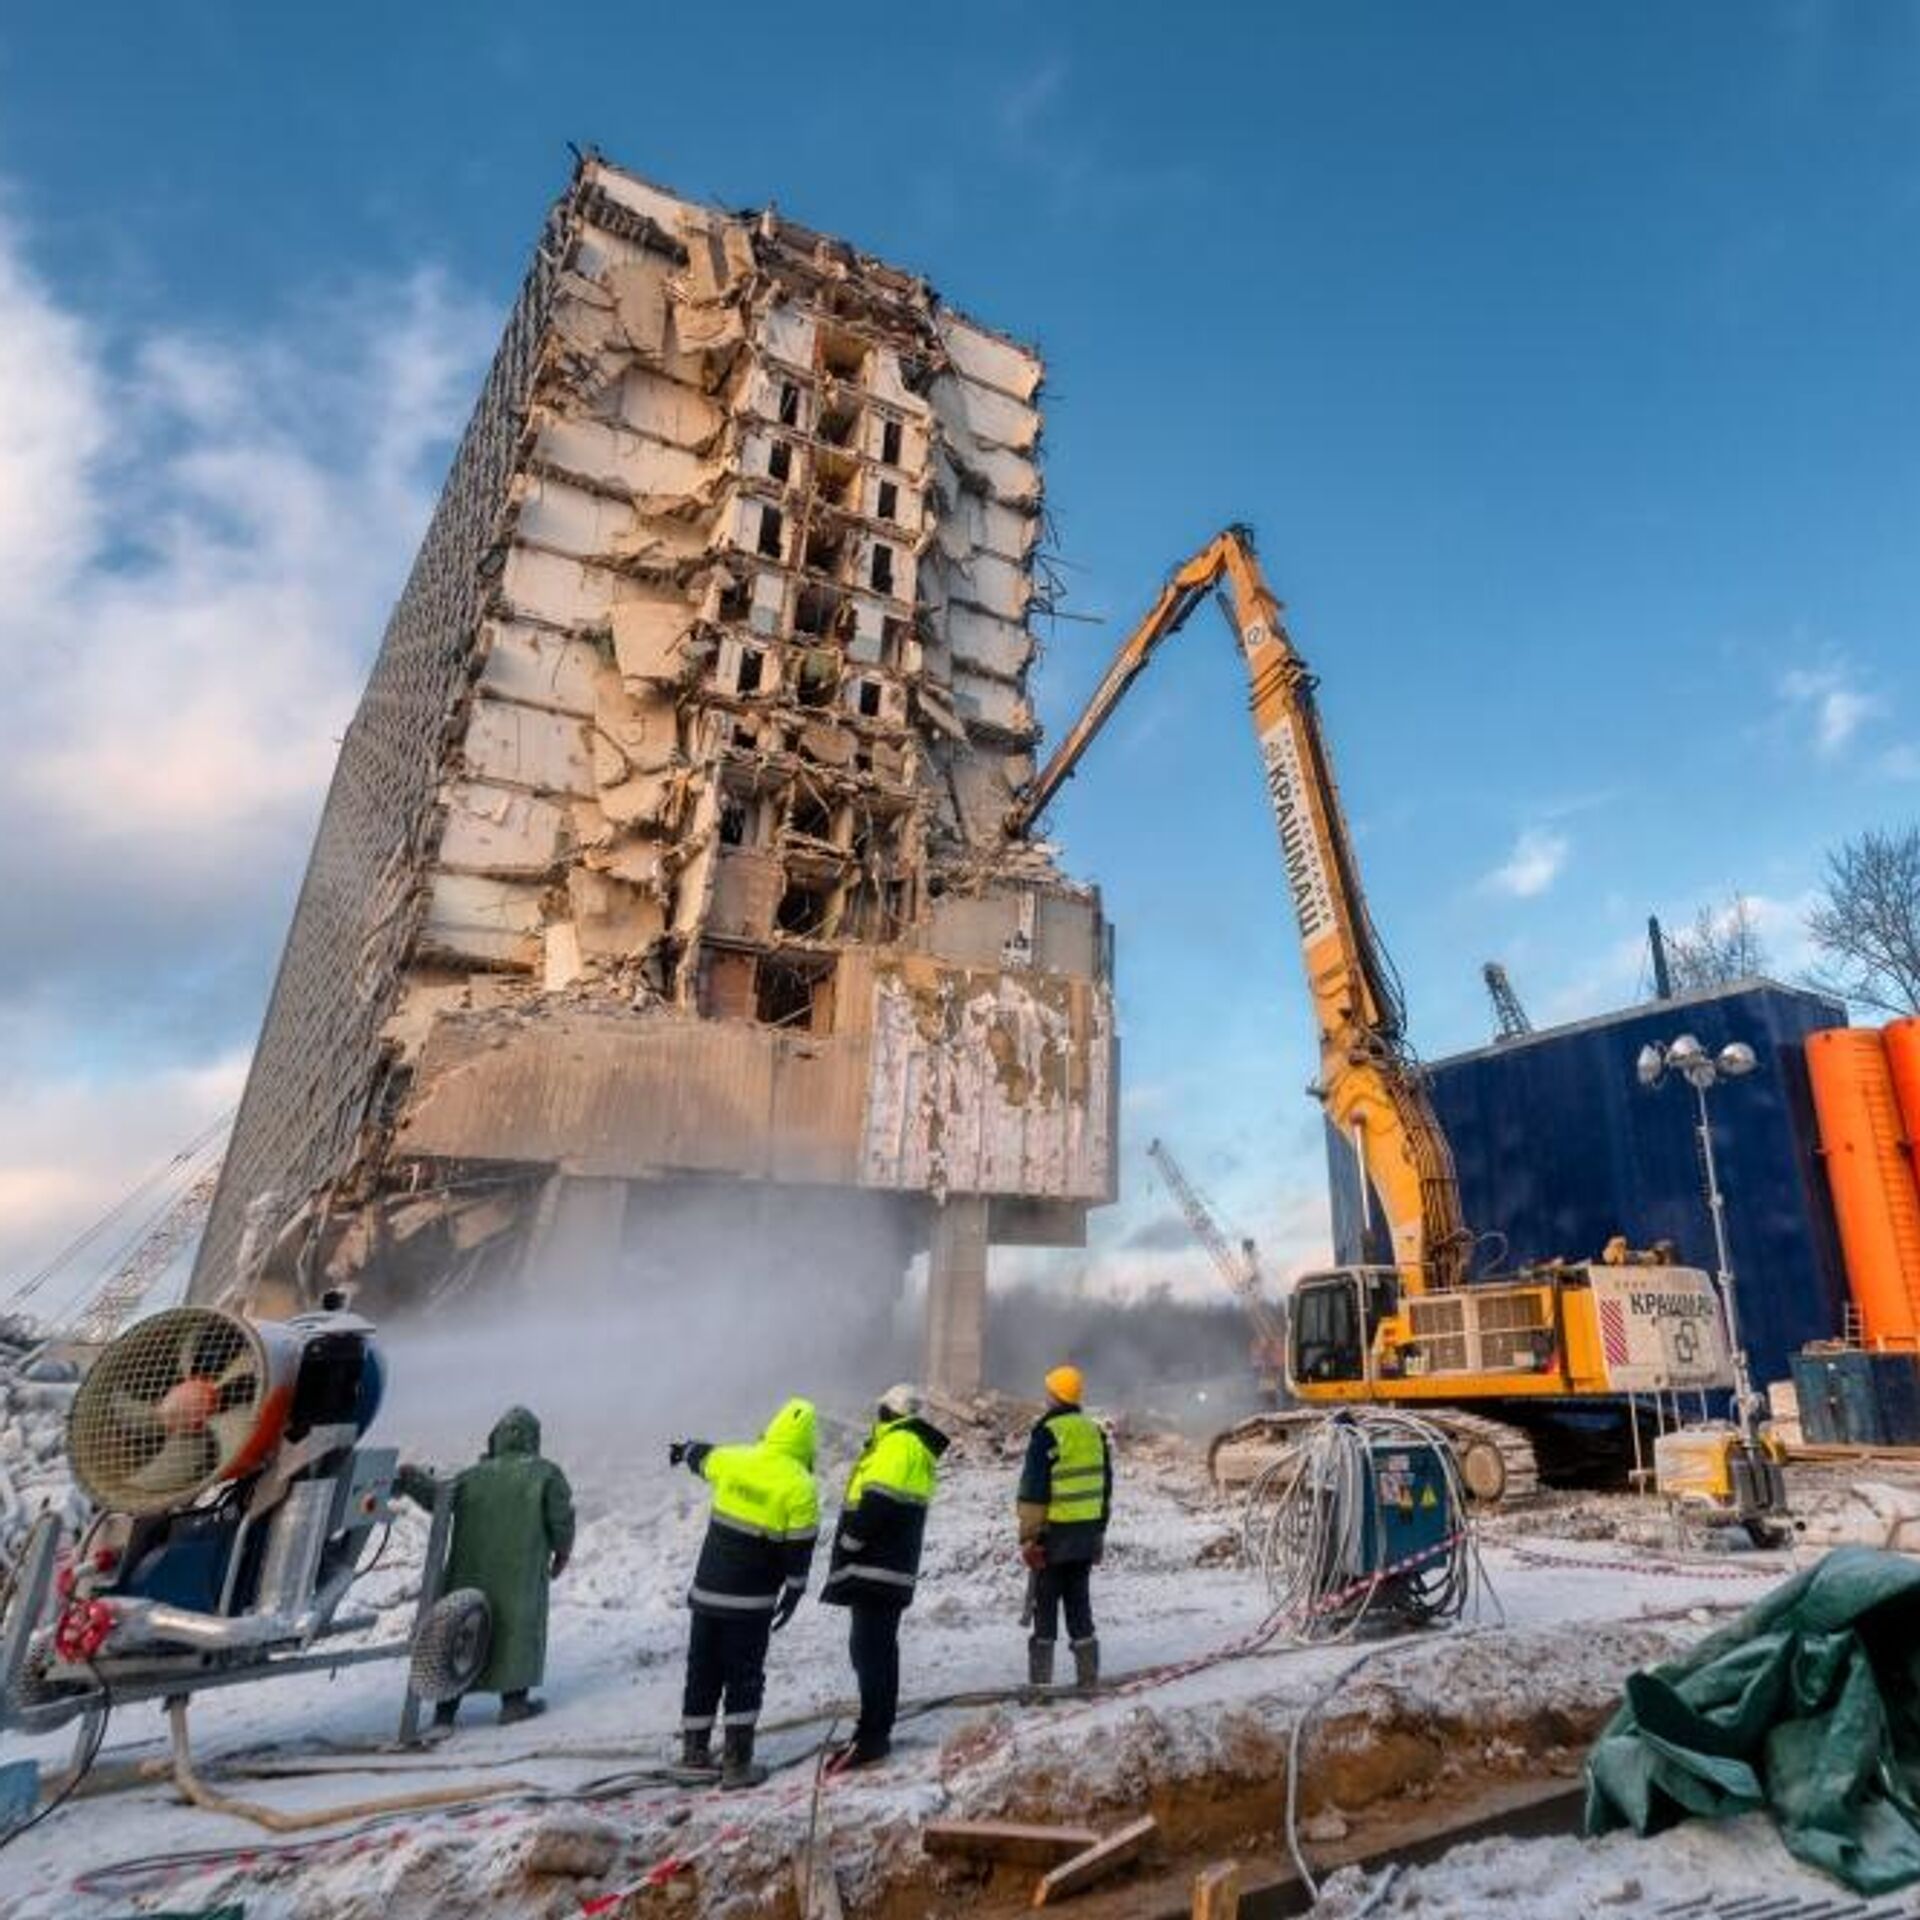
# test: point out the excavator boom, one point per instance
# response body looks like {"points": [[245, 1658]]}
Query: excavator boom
{"points": [[1372, 1090], [1533, 1348]]}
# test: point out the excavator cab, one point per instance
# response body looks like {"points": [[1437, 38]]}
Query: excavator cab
{"points": [[1332, 1320]]}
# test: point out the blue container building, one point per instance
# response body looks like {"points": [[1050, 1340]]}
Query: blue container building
{"points": [[1558, 1148]]}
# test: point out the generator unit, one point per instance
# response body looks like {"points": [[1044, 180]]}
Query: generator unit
{"points": [[1365, 1521], [1715, 1474], [1407, 1513]]}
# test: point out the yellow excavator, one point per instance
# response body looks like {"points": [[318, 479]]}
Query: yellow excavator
{"points": [[1529, 1373]]}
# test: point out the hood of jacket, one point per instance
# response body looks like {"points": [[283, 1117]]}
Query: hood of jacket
{"points": [[929, 1436], [792, 1431], [516, 1431]]}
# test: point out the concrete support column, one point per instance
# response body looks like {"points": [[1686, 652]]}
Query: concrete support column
{"points": [[957, 1296], [576, 1236]]}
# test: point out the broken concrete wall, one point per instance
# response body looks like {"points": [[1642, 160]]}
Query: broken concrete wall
{"points": [[712, 787], [990, 1083]]}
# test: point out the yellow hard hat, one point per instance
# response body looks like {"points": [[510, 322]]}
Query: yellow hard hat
{"points": [[1064, 1383]]}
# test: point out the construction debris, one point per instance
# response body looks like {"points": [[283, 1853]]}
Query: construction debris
{"points": [[815, 1884], [1022, 1842], [36, 1391], [1105, 1857], [1216, 1892]]}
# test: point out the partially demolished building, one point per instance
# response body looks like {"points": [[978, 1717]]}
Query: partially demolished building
{"points": [[662, 889]]}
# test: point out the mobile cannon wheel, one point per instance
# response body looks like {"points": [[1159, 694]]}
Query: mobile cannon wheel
{"points": [[450, 1650]]}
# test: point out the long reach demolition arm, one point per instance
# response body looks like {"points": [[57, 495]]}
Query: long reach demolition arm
{"points": [[1370, 1085]]}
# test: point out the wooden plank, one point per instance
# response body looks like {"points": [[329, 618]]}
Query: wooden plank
{"points": [[1825, 1451], [1216, 1892], [1120, 1848], [1037, 1846], [815, 1884]]}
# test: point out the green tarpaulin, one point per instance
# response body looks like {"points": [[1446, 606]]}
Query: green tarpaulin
{"points": [[1807, 1707]]}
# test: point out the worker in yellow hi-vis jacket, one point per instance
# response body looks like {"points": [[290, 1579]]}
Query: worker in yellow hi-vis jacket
{"points": [[1065, 1499], [752, 1573], [876, 1560]]}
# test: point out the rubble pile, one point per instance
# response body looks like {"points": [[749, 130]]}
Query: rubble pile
{"points": [[1866, 1513], [35, 1393]]}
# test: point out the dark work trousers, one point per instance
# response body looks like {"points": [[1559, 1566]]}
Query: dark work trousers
{"points": [[873, 1641], [726, 1656], [1069, 1587]]}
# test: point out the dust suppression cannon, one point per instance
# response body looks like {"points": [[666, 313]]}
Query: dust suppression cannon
{"points": [[234, 1503]]}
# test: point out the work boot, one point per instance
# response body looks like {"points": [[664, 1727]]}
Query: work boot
{"points": [[1086, 1664], [739, 1769], [856, 1754], [1039, 1663], [445, 1713], [515, 1707], [696, 1750]]}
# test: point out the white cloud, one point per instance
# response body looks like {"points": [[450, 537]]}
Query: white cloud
{"points": [[71, 1146], [1024, 105], [1782, 926], [194, 642], [1835, 704], [199, 540], [1538, 858], [53, 424]]}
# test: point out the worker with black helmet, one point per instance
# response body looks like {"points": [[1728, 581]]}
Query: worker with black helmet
{"points": [[876, 1560], [1065, 1498], [752, 1573]]}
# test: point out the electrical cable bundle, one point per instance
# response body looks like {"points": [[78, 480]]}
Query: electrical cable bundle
{"points": [[1316, 1527]]}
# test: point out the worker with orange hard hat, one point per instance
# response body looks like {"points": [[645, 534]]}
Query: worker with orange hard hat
{"points": [[1065, 1498]]}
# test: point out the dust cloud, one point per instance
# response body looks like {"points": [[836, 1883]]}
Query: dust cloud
{"points": [[1175, 1362], [717, 1309]]}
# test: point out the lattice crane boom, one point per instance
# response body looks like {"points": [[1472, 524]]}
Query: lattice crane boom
{"points": [[1510, 1017], [1239, 1268], [1199, 1217], [119, 1296]]}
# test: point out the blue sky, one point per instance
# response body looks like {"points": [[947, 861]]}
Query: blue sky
{"points": [[1563, 358]]}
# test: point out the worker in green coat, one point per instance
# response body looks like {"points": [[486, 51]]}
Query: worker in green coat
{"points": [[512, 1534]]}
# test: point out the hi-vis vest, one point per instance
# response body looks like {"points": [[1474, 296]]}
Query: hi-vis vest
{"points": [[1076, 1489], [883, 1517]]}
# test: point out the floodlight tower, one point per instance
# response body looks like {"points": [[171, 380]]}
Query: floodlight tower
{"points": [[1703, 1071]]}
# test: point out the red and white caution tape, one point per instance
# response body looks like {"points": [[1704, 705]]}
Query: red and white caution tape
{"points": [[1651, 1569]]}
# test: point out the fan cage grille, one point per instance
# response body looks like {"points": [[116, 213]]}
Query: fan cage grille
{"points": [[166, 1409]]}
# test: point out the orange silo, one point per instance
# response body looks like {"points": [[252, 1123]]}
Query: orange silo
{"points": [[1902, 1038], [1875, 1199]]}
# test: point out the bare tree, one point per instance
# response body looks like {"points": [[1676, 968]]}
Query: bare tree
{"points": [[1867, 929], [1723, 945]]}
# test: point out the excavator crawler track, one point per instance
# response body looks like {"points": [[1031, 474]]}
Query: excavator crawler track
{"points": [[1497, 1462]]}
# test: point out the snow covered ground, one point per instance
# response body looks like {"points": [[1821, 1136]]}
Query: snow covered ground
{"points": [[1573, 1879], [1579, 1613]]}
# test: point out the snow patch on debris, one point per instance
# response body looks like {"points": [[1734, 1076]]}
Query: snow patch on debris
{"points": [[34, 1397], [1566, 1878], [1868, 1513]]}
